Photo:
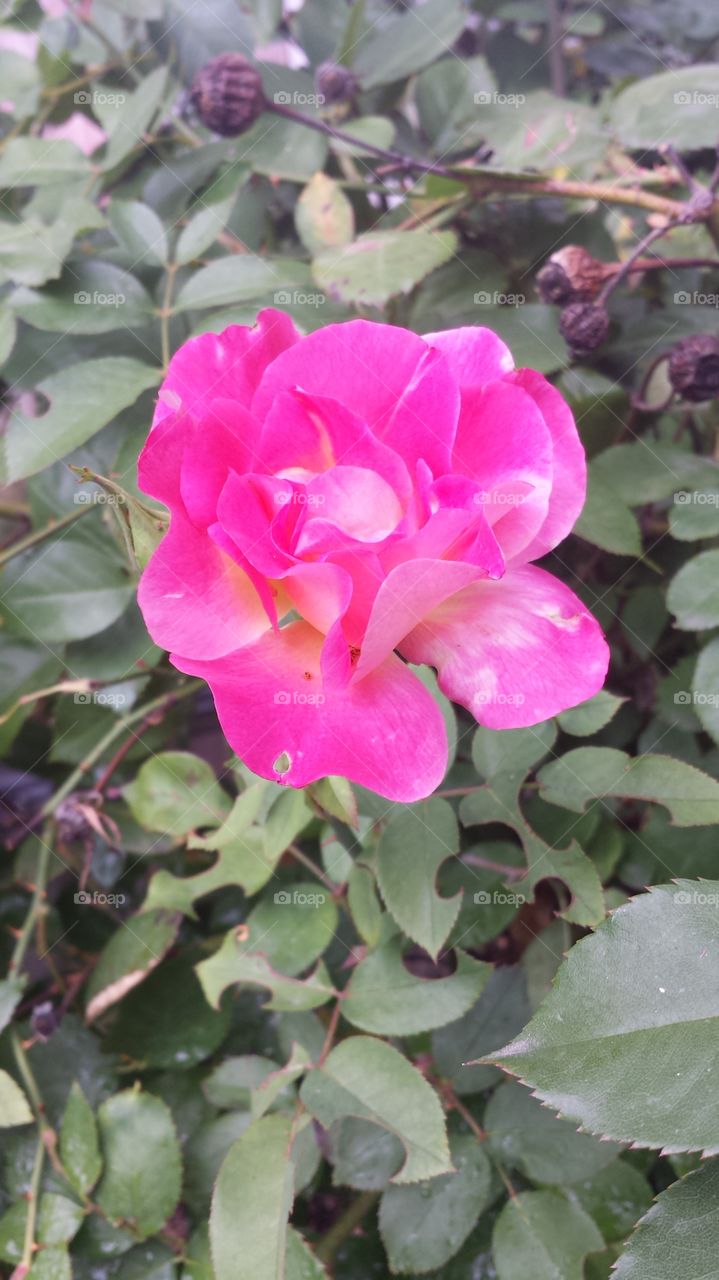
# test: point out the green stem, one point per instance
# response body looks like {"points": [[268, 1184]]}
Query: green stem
{"points": [[69, 785], [39, 535], [345, 1225]]}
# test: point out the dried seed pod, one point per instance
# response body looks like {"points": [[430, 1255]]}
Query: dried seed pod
{"points": [[227, 94], [583, 326], [694, 368], [571, 275], [335, 83]]}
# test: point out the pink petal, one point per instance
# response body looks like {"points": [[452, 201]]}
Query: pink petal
{"points": [[514, 652], [227, 365], [80, 129], [406, 397], [504, 445], [305, 435], [357, 502], [195, 599], [475, 355], [220, 442], [272, 703], [407, 595], [569, 468]]}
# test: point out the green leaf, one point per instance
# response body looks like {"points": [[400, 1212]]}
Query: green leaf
{"points": [[202, 230], [590, 716], [74, 589], [275, 1084], [284, 149], [635, 1065], [82, 398], [90, 297], [139, 231], [363, 1155], [252, 1202], [236, 963], [248, 850], [324, 216], [367, 1078], [167, 1022], [677, 105], [128, 120], [413, 845], [679, 1236], [300, 1261], [363, 904], [606, 519], [422, 1226], [11, 990], [14, 1108], [142, 527], [543, 1235], [8, 332], [693, 594], [79, 1144], [615, 1198], [294, 926], [132, 953], [399, 46], [694, 515], [705, 687], [500, 1013], [237, 278], [503, 758], [525, 1135], [37, 162], [177, 792], [385, 998], [381, 264], [591, 773], [141, 1182]]}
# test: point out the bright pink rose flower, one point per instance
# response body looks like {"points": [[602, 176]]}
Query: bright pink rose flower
{"points": [[351, 501]]}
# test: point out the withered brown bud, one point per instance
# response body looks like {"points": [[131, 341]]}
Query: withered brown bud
{"points": [[583, 326], [571, 275], [335, 83], [694, 368], [227, 94]]}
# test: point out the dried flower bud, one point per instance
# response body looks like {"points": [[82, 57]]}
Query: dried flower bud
{"points": [[571, 275], [227, 94], [583, 326], [335, 83], [694, 368]]}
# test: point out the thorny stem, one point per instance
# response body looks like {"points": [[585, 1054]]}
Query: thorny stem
{"points": [[455, 1104], [39, 535]]}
